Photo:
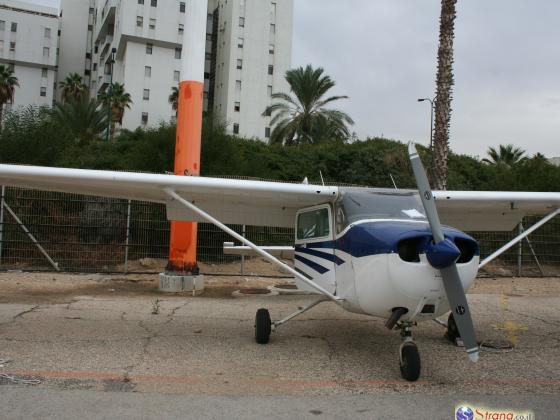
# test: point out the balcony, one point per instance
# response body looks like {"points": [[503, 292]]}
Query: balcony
{"points": [[107, 22]]}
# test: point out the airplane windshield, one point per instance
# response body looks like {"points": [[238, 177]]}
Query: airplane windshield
{"points": [[390, 204]]}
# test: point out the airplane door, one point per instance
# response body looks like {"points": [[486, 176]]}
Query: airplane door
{"points": [[314, 247]]}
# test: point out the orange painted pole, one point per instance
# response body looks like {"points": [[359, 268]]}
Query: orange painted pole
{"points": [[183, 239]]}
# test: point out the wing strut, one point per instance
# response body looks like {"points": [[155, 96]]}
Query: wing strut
{"points": [[245, 241], [519, 238]]}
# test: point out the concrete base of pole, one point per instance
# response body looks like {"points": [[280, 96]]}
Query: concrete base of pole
{"points": [[172, 283]]}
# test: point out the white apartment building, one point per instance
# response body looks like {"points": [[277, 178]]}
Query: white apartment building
{"points": [[28, 44], [248, 51]]}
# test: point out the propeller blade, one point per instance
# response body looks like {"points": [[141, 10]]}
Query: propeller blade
{"points": [[425, 193], [460, 308], [448, 268]]}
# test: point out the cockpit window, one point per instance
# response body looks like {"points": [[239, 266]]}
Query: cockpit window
{"points": [[358, 205], [313, 224]]}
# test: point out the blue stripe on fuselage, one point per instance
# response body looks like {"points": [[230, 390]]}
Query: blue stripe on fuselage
{"points": [[327, 256], [314, 266], [373, 238]]}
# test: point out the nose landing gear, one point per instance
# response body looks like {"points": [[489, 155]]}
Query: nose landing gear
{"points": [[409, 357]]}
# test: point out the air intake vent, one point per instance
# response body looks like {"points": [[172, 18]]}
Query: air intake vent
{"points": [[409, 249], [468, 250]]}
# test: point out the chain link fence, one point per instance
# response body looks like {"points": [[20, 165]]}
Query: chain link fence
{"points": [[56, 231]]}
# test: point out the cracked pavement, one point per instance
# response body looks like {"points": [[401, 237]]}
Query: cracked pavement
{"points": [[112, 342]]}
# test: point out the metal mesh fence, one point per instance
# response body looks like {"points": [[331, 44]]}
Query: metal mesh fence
{"points": [[91, 234]]}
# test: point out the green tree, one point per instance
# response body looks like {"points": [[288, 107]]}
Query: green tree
{"points": [[444, 88], [73, 87], [304, 118], [83, 118], [174, 99], [507, 155], [119, 99], [8, 83]]}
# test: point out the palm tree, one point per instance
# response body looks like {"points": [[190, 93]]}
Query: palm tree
{"points": [[444, 92], [300, 119], [174, 99], [505, 155], [83, 117], [119, 100], [8, 83], [73, 87]]}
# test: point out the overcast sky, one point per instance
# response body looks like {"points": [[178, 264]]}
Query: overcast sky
{"points": [[382, 53]]}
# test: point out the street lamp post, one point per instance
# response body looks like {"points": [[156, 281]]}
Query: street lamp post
{"points": [[110, 101], [431, 101]]}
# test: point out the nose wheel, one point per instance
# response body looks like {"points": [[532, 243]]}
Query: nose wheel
{"points": [[409, 358]]}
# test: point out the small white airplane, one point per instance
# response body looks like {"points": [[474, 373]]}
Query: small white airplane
{"points": [[377, 252]]}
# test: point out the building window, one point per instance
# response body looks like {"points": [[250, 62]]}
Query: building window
{"points": [[153, 3], [235, 128], [139, 21], [273, 11], [237, 106], [43, 91], [12, 66], [47, 32], [2, 25], [152, 24], [176, 75], [208, 56], [140, 1], [269, 90], [182, 7], [178, 53], [44, 73], [271, 69], [240, 42], [46, 51], [238, 84], [14, 26], [271, 49], [181, 29], [1, 45], [146, 95], [12, 46], [268, 112], [147, 71], [267, 132], [239, 64], [241, 22], [272, 28], [149, 48], [144, 118]]}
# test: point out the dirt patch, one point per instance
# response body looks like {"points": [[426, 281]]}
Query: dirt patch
{"points": [[59, 288]]}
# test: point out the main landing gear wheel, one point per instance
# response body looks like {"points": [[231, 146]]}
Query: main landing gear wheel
{"points": [[410, 361], [452, 333], [263, 326]]}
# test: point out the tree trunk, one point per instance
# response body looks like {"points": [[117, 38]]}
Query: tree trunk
{"points": [[444, 92]]}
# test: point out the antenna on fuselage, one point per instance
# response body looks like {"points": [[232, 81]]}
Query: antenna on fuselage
{"points": [[322, 180], [393, 179]]}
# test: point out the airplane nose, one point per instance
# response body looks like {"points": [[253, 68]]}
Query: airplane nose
{"points": [[442, 254]]}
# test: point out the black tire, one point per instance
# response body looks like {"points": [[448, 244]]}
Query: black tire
{"points": [[452, 333], [263, 326], [410, 362]]}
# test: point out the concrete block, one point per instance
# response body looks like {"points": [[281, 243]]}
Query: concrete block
{"points": [[172, 283]]}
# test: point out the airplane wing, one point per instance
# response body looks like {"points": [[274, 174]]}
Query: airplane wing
{"points": [[268, 203], [231, 201], [492, 210]]}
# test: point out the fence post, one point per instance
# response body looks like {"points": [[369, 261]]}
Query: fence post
{"points": [[2, 222], [243, 256], [520, 251], [127, 237]]}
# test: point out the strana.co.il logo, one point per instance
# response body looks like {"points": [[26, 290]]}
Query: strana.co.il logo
{"points": [[464, 413]]}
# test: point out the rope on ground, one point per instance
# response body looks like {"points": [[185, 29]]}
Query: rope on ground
{"points": [[17, 379]]}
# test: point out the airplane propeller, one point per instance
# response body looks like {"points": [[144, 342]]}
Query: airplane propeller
{"points": [[443, 254]]}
